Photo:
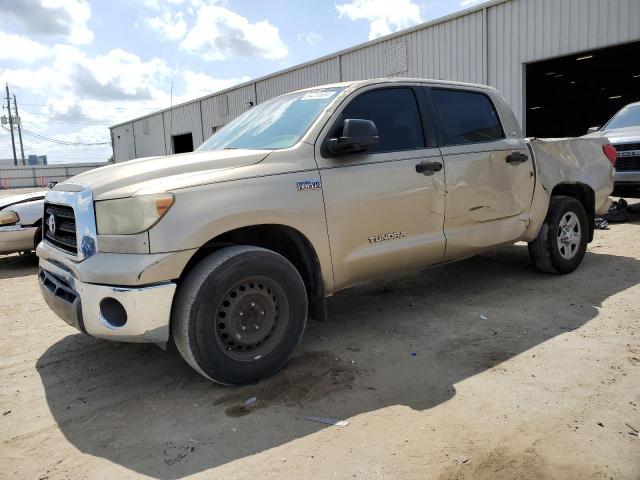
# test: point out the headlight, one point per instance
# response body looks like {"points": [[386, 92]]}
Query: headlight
{"points": [[126, 216], [8, 218]]}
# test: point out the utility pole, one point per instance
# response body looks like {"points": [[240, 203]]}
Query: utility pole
{"points": [[13, 141], [19, 122]]}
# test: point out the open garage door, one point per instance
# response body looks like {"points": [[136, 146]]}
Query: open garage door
{"points": [[567, 95]]}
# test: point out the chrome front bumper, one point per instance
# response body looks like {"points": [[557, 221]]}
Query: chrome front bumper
{"points": [[627, 176], [84, 306]]}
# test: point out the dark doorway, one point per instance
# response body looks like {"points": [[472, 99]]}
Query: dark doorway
{"points": [[182, 143], [565, 96]]}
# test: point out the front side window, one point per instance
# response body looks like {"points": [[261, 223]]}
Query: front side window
{"points": [[395, 113], [465, 117], [275, 124]]}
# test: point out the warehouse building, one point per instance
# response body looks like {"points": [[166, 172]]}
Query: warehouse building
{"points": [[563, 66]]}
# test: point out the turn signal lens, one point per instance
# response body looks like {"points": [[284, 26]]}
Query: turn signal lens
{"points": [[8, 218], [611, 153]]}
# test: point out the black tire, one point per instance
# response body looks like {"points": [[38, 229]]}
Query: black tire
{"points": [[37, 238], [235, 288], [548, 251]]}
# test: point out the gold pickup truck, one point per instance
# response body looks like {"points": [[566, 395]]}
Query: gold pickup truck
{"points": [[228, 250]]}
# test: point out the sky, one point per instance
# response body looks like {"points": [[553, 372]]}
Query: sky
{"points": [[79, 66]]}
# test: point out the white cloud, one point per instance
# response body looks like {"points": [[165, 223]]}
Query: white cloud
{"points": [[199, 84], [384, 17], [220, 33], [65, 19], [171, 25], [118, 75], [76, 85], [92, 93], [21, 49], [311, 38]]}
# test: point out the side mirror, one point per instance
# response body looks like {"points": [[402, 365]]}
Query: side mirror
{"points": [[593, 129], [357, 136]]}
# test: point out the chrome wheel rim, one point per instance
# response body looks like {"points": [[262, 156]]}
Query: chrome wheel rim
{"points": [[569, 235], [251, 318]]}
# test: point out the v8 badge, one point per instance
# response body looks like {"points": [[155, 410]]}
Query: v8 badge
{"points": [[308, 185]]}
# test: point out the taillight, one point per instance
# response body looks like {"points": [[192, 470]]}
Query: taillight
{"points": [[611, 153]]}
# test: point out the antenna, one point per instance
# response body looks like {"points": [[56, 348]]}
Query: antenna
{"points": [[171, 122]]}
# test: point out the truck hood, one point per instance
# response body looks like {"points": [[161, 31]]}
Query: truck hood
{"points": [[124, 179], [618, 135]]}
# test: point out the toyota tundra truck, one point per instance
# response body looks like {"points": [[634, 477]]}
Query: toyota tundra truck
{"points": [[228, 250]]}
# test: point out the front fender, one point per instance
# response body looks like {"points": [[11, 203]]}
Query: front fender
{"points": [[203, 213]]}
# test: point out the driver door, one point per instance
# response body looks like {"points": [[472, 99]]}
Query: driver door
{"points": [[382, 214]]}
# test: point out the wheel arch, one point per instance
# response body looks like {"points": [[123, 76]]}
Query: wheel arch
{"points": [[584, 194], [282, 239]]}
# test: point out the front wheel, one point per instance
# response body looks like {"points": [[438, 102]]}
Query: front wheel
{"points": [[239, 314], [562, 241]]}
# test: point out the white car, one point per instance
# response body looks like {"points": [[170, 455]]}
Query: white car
{"points": [[21, 222]]}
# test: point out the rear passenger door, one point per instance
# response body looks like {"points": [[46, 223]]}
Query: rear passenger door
{"points": [[489, 175], [383, 215]]}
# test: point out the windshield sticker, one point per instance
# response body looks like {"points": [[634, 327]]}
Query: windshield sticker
{"points": [[318, 95]]}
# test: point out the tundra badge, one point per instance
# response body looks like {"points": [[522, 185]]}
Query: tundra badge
{"points": [[387, 236]]}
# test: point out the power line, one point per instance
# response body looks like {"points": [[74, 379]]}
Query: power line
{"points": [[99, 106], [89, 124], [60, 142], [58, 114]]}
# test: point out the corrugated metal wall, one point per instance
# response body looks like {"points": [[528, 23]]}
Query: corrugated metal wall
{"points": [[183, 119], [41, 175], [323, 72], [123, 145], [489, 44], [524, 31], [217, 111], [149, 136], [453, 50]]}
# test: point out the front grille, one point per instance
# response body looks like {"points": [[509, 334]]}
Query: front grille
{"points": [[628, 163], [623, 147], [64, 235], [628, 156]]}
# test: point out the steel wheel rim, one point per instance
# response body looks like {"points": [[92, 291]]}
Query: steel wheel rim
{"points": [[569, 235], [251, 318]]}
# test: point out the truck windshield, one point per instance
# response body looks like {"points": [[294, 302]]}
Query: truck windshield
{"points": [[629, 116], [274, 124]]}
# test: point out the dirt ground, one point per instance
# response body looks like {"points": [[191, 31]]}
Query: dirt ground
{"points": [[485, 369]]}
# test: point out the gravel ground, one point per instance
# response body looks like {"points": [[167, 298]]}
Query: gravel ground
{"points": [[484, 369]]}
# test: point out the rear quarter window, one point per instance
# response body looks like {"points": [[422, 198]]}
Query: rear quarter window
{"points": [[465, 117]]}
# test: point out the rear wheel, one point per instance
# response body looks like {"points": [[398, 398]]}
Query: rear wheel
{"points": [[239, 314], [562, 241]]}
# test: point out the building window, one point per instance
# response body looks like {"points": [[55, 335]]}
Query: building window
{"points": [[395, 58]]}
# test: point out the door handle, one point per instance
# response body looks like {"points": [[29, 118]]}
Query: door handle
{"points": [[517, 157], [428, 168]]}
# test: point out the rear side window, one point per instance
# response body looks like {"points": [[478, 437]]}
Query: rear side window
{"points": [[395, 113], [466, 117]]}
